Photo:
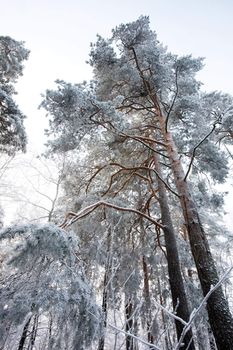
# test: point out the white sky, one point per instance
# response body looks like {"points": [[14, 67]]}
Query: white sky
{"points": [[59, 32]]}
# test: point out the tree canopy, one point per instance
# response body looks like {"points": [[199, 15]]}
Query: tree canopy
{"points": [[12, 133]]}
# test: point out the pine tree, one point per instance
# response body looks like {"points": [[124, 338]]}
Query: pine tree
{"points": [[41, 278], [144, 98], [12, 132]]}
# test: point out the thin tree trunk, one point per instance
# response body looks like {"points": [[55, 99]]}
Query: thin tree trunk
{"points": [[104, 309], [167, 338], [150, 337], [105, 290], [129, 325], [179, 299], [50, 326], [217, 306], [33, 332], [24, 334]]}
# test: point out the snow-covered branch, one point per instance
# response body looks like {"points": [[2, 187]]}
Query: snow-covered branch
{"points": [[72, 217]]}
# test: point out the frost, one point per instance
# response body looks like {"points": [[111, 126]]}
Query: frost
{"points": [[42, 276], [12, 132]]}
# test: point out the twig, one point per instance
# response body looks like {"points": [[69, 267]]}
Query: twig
{"points": [[151, 346], [174, 99], [195, 312], [130, 169], [195, 148], [171, 314]]}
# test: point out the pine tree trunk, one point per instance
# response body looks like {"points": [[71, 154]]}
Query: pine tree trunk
{"points": [[219, 314], [179, 299]]}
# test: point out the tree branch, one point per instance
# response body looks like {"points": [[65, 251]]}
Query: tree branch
{"points": [[195, 312], [174, 99], [134, 170], [86, 211], [196, 147], [151, 346]]}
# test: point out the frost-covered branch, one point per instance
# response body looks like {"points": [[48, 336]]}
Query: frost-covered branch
{"points": [[136, 138], [172, 315], [196, 147], [196, 311], [151, 346], [173, 100], [72, 217], [134, 170]]}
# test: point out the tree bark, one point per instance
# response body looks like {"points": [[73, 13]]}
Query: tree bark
{"points": [[129, 325], [105, 290], [104, 308], [179, 299], [33, 332], [168, 342], [24, 334], [150, 336], [219, 314]]}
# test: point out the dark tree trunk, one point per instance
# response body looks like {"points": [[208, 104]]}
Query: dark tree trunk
{"points": [[179, 298], [50, 326], [150, 337], [24, 334], [104, 309], [33, 332], [168, 342], [129, 325], [219, 314], [105, 290]]}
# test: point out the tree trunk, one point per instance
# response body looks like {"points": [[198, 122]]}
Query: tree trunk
{"points": [[129, 325], [105, 290], [150, 337], [50, 330], [33, 332], [104, 309], [24, 334], [217, 306], [168, 342], [179, 299]]}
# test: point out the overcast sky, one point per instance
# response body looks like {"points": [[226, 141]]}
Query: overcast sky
{"points": [[58, 34]]}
